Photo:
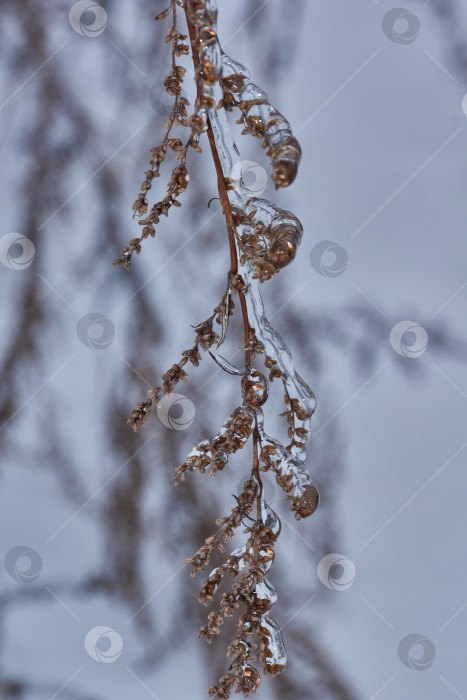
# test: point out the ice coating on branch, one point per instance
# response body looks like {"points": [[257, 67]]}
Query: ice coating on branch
{"points": [[272, 649], [271, 639], [292, 475], [262, 120], [203, 16], [295, 474], [237, 554], [226, 365], [214, 453], [269, 236], [267, 239], [276, 348], [265, 591], [235, 562], [284, 230]]}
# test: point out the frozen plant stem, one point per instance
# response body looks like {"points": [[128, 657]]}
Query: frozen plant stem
{"points": [[262, 238], [224, 199]]}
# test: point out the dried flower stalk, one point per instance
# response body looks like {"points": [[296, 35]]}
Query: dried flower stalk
{"points": [[263, 238]]}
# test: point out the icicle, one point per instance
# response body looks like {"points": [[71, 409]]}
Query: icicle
{"points": [[292, 475], [265, 591], [275, 347], [285, 238], [262, 120], [225, 318], [276, 657], [225, 365], [270, 518]]}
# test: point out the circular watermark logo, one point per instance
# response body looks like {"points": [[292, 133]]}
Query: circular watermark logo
{"points": [[103, 644], [16, 251], [96, 331], [88, 18], [161, 101], [401, 26], [416, 652], [464, 105], [175, 411], [23, 564], [336, 572], [254, 176], [328, 258], [408, 339]]}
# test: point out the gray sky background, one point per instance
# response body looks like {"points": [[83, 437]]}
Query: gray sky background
{"points": [[383, 175]]}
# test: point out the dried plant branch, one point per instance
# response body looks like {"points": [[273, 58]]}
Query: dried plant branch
{"points": [[262, 239]]}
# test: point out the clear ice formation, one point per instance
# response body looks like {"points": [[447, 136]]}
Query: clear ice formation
{"points": [[262, 120], [271, 636], [204, 18], [293, 471]]}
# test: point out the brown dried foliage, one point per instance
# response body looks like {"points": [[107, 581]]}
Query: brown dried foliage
{"points": [[268, 247]]}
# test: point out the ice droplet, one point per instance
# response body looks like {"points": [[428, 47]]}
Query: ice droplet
{"points": [[306, 497], [308, 502], [255, 388], [251, 678]]}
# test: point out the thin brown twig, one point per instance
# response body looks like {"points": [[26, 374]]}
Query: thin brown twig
{"points": [[231, 230], [222, 188], [256, 469]]}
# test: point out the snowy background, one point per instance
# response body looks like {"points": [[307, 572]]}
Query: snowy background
{"points": [[378, 102]]}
